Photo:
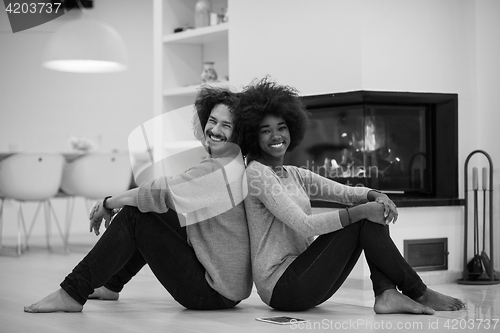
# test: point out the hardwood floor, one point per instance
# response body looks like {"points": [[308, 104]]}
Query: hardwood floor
{"points": [[144, 306]]}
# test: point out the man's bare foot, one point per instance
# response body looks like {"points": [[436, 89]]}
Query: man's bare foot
{"points": [[104, 294], [440, 302], [391, 301], [57, 301]]}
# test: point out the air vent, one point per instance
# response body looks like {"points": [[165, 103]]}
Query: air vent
{"points": [[427, 254]]}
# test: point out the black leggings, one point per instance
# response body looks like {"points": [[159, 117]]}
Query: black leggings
{"points": [[134, 239], [316, 274]]}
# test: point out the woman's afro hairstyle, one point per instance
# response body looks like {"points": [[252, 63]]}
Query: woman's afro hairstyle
{"points": [[207, 98], [263, 98]]}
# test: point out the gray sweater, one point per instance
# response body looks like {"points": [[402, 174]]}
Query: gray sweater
{"points": [[210, 196], [280, 221]]}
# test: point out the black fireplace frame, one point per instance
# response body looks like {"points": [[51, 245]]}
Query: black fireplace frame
{"points": [[442, 120]]}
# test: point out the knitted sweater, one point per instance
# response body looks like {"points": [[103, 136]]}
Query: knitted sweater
{"points": [[210, 198], [279, 218]]}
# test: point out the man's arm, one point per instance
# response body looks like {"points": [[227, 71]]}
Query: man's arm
{"points": [[128, 198], [99, 212]]}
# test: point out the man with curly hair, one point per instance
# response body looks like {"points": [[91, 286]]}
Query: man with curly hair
{"points": [[190, 228]]}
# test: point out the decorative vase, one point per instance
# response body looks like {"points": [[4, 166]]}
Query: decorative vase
{"points": [[202, 13], [208, 73]]}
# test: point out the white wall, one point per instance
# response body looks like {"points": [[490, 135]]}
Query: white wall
{"points": [[322, 46], [314, 46], [488, 82], [40, 109]]}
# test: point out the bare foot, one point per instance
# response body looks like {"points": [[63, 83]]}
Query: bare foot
{"points": [[57, 301], [391, 301], [440, 302], [105, 294]]}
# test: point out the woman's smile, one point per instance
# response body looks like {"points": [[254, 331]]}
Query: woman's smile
{"points": [[278, 145], [274, 139]]}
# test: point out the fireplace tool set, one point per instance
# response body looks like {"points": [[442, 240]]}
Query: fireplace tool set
{"points": [[480, 268]]}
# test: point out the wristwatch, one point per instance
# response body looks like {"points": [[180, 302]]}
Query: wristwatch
{"points": [[106, 206]]}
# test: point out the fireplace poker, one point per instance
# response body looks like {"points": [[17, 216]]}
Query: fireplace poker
{"points": [[475, 266], [484, 257]]}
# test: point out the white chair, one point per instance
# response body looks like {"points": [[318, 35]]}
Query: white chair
{"points": [[94, 176], [31, 177]]}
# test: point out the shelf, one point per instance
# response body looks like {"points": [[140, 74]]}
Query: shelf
{"points": [[181, 55], [198, 36], [191, 90]]}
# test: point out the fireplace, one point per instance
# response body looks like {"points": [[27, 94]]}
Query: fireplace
{"points": [[404, 144]]}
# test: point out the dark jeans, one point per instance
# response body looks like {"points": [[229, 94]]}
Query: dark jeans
{"points": [[134, 239], [316, 274]]}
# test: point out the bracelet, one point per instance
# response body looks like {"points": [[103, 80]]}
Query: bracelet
{"points": [[348, 216], [104, 203]]}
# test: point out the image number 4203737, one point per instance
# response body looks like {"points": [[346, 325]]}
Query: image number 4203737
{"points": [[47, 7], [27, 14]]}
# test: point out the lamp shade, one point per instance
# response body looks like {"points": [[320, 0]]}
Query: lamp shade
{"points": [[85, 46]]}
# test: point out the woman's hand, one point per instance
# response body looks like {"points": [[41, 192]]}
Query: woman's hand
{"points": [[374, 211], [390, 209], [97, 214]]}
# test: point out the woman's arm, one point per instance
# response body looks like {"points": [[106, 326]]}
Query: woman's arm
{"points": [[324, 189], [321, 188], [380, 209], [371, 211], [267, 189]]}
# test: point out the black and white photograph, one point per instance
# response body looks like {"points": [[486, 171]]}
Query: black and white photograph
{"points": [[249, 166]]}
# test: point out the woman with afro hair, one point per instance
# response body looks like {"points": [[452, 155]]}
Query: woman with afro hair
{"points": [[300, 259]]}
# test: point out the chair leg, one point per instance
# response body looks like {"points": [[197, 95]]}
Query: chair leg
{"points": [[20, 222], [51, 210], [21, 228], [70, 205], [1, 222], [48, 225], [28, 234]]}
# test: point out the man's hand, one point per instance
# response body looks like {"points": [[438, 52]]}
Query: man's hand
{"points": [[97, 214]]}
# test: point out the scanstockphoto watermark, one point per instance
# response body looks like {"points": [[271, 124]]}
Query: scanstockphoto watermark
{"points": [[429, 324], [358, 324], [261, 183], [342, 171]]}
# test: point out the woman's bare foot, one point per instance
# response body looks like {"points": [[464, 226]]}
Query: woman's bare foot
{"points": [[440, 302], [57, 301], [105, 294], [391, 301]]}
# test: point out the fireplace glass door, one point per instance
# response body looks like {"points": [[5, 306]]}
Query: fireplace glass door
{"points": [[384, 147]]}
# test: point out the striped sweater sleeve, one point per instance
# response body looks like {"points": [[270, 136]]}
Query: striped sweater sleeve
{"points": [[188, 191], [324, 189], [265, 187]]}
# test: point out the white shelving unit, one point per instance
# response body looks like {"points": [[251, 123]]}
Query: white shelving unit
{"points": [[177, 63], [181, 55]]}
